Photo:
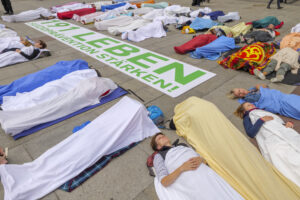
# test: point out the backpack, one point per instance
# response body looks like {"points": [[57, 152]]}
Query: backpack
{"points": [[156, 115]]}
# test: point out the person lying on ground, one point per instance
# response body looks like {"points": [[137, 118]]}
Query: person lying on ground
{"points": [[283, 61], [181, 173], [13, 42], [259, 35], [270, 100], [278, 142]]}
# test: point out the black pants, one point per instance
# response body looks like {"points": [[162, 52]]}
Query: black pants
{"points": [[7, 5], [278, 3]]}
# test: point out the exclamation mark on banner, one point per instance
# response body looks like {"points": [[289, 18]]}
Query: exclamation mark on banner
{"points": [[172, 89]]}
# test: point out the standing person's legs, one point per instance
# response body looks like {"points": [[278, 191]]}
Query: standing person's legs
{"points": [[284, 68], [5, 6], [278, 4], [9, 7], [269, 4]]}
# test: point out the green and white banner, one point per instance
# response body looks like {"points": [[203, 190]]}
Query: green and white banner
{"points": [[165, 74]]}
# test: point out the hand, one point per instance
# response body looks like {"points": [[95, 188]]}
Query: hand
{"points": [[289, 125], [18, 50], [267, 118], [191, 164]]}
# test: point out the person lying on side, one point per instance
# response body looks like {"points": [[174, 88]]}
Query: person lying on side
{"points": [[278, 142], [259, 35], [271, 100], [181, 173]]}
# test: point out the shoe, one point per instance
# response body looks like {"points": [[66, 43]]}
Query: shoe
{"points": [[11, 13], [277, 79], [259, 74], [279, 7], [6, 13], [268, 7]]}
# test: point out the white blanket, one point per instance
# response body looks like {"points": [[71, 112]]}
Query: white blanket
{"points": [[89, 18], [10, 42], [87, 93], [47, 92], [142, 11], [153, 14], [279, 145], [152, 30], [118, 21], [5, 32], [71, 7], [166, 20], [296, 29], [117, 30], [202, 183], [229, 16], [27, 15], [176, 9], [195, 13], [13, 57], [124, 123]]}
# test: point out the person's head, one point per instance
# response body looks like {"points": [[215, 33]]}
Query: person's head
{"points": [[243, 108], [158, 141], [271, 26], [238, 92], [40, 44]]}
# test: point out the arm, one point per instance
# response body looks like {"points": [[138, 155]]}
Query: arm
{"points": [[32, 56], [191, 164], [261, 85], [251, 129]]}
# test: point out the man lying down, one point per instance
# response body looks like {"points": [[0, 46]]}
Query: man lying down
{"points": [[181, 173], [17, 52], [53, 100]]}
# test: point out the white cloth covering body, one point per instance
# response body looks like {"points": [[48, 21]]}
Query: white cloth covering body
{"points": [[279, 145], [142, 11], [202, 183], [10, 42], [13, 57], [195, 13], [86, 19], [71, 7], [176, 9], [124, 123], [87, 93], [5, 32], [234, 16], [118, 21], [117, 30], [154, 29], [27, 15], [296, 29], [47, 92]]}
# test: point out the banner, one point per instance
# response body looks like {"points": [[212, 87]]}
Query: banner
{"points": [[165, 74]]}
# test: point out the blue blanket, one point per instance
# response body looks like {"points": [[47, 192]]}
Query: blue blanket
{"points": [[215, 14], [37, 79], [200, 24], [213, 50], [111, 7]]}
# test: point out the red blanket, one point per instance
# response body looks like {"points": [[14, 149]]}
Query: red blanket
{"points": [[194, 43], [80, 12]]}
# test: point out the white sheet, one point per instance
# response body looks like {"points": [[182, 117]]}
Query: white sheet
{"points": [[124, 123], [27, 15], [118, 21], [10, 42], [154, 29], [166, 20], [195, 13], [279, 145], [296, 29], [47, 92], [229, 16], [5, 32], [142, 11], [153, 14], [71, 7], [12, 57], [202, 183], [117, 30], [176, 9], [89, 18], [87, 93]]}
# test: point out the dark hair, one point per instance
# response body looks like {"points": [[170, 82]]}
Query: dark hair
{"points": [[240, 111], [43, 44], [172, 125], [153, 142]]}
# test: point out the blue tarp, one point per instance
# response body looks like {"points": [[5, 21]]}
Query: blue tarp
{"points": [[200, 24], [37, 79], [213, 50], [114, 95], [215, 14], [277, 102], [111, 7]]}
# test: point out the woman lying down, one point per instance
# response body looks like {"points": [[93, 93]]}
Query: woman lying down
{"points": [[278, 142], [182, 174], [53, 100]]}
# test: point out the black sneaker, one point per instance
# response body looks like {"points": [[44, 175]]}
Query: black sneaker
{"points": [[279, 7]]}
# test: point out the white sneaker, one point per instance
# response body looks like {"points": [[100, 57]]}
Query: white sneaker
{"points": [[259, 74], [278, 78]]}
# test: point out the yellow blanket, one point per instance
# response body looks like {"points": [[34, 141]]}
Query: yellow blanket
{"points": [[236, 30], [229, 152]]}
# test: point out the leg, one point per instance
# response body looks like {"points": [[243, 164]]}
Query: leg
{"points": [[8, 4], [4, 5], [284, 68], [269, 4], [278, 4], [267, 70]]}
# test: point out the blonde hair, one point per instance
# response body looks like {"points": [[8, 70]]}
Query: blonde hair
{"points": [[240, 111], [231, 95]]}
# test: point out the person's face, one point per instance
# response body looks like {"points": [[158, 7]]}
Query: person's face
{"points": [[161, 140], [240, 92], [271, 26], [248, 106], [37, 45]]}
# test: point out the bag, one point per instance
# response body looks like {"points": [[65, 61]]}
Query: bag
{"points": [[188, 30], [156, 115]]}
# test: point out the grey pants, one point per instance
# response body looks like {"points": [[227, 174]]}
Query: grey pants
{"points": [[283, 69]]}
